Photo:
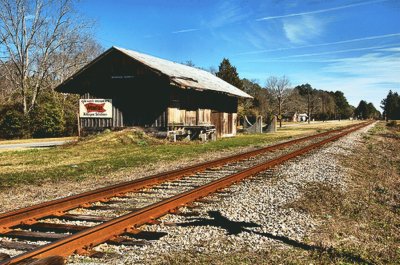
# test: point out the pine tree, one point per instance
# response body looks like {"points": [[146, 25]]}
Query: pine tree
{"points": [[366, 111], [228, 73], [391, 106]]}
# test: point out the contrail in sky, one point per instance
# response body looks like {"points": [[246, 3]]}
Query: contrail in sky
{"points": [[184, 30], [323, 44], [320, 11], [326, 53]]}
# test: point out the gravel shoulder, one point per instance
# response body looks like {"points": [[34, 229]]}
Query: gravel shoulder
{"points": [[253, 219]]}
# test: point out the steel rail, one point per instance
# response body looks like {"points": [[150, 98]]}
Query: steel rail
{"points": [[29, 215], [87, 239]]}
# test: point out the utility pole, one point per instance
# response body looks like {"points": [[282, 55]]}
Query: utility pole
{"points": [[308, 105]]}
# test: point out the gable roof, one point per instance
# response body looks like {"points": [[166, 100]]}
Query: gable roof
{"points": [[180, 75]]}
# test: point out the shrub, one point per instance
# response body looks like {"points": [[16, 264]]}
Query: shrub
{"points": [[70, 109], [47, 120], [392, 124], [13, 123]]}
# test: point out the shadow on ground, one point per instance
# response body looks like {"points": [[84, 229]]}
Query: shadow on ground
{"points": [[234, 228]]}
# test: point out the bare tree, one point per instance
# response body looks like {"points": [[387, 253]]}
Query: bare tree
{"points": [[280, 90], [34, 35], [6, 92]]}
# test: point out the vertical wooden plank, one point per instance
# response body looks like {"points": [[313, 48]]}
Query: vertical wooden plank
{"points": [[182, 116], [230, 125], [121, 118], [165, 122], [198, 118], [114, 117], [225, 123], [216, 121], [234, 122]]}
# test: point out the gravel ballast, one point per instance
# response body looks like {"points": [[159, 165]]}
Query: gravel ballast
{"points": [[253, 215]]}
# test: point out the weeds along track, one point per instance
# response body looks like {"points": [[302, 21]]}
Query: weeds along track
{"points": [[114, 214]]}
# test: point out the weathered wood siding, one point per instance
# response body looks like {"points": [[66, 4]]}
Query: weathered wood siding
{"points": [[234, 122], [178, 116], [143, 97], [225, 123], [203, 116]]}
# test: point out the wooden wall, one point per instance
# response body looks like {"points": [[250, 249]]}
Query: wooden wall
{"points": [[203, 116], [142, 97], [188, 117], [225, 123]]}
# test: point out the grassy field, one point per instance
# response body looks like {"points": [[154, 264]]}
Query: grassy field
{"points": [[108, 152]]}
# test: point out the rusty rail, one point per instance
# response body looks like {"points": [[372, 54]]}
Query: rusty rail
{"points": [[29, 215], [86, 239]]}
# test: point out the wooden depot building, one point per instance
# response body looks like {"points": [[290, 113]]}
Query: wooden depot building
{"points": [[123, 88]]}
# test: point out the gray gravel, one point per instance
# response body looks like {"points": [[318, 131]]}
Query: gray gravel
{"points": [[34, 144], [257, 207]]}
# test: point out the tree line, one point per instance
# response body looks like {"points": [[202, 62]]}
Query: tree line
{"points": [[279, 98]]}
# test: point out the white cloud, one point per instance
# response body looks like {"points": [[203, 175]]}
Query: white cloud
{"points": [[226, 13], [379, 68], [366, 77], [300, 30]]}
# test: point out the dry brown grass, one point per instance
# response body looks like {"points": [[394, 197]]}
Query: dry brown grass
{"points": [[364, 219], [360, 225]]}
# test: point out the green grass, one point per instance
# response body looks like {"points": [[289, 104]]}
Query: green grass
{"points": [[109, 152]]}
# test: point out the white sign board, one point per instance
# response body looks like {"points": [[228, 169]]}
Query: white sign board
{"points": [[95, 108]]}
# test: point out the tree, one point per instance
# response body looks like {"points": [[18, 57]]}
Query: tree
{"points": [[296, 103], [361, 111], [328, 106], [47, 119], [36, 37], [280, 90], [6, 91], [261, 103], [366, 110], [308, 91], [343, 108], [13, 123], [391, 106], [228, 73]]}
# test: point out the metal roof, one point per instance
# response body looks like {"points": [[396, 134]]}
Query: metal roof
{"points": [[185, 76]]}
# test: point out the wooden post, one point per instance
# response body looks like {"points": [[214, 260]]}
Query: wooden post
{"points": [[79, 125]]}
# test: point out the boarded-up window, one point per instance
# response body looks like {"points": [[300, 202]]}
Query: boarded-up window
{"points": [[203, 116], [190, 118], [176, 116]]}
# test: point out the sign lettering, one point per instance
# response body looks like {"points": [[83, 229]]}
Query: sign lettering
{"points": [[95, 108]]}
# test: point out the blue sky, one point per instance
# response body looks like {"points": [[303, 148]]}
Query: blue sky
{"points": [[352, 46]]}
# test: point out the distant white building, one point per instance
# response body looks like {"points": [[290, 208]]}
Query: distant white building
{"points": [[299, 117]]}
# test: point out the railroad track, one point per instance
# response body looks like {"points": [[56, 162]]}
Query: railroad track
{"points": [[50, 231]]}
